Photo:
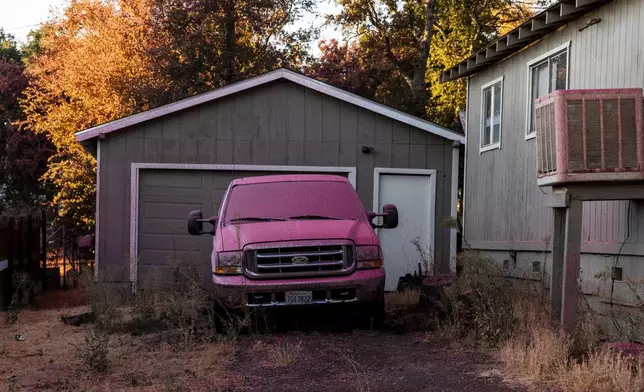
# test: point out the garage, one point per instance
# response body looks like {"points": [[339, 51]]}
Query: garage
{"points": [[156, 166]]}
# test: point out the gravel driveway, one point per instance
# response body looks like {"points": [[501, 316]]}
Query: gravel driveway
{"points": [[373, 362], [395, 359]]}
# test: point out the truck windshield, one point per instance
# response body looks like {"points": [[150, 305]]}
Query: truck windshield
{"points": [[292, 200]]}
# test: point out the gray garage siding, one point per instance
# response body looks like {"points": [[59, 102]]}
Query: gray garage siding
{"points": [[280, 123]]}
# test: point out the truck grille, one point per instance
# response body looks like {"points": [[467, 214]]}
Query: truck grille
{"points": [[296, 261]]}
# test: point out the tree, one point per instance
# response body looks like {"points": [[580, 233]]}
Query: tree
{"points": [[409, 42], [100, 60], [216, 42], [23, 155], [91, 66]]}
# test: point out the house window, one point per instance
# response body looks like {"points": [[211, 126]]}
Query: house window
{"points": [[546, 74], [492, 100]]}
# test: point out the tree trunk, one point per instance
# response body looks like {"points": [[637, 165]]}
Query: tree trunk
{"points": [[230, 41], [419, 85]]}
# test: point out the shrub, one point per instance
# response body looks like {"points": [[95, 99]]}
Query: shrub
{"points": [[479, 303], [95, 350]]}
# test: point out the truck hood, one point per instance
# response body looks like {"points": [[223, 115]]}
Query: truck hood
{"points": [[235, 237]]}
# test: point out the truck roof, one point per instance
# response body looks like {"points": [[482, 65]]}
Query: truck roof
{"points": [[289, 178]]}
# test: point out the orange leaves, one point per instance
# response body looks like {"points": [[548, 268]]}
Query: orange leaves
{"points": [[93, 67]]}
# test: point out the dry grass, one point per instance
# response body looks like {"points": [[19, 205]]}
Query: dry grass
{"points": [[603, 371], [540, 353], [531, 345], [284, 354], [402, 299], [361, 381]]}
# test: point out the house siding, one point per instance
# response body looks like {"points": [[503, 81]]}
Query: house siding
{"points": [[505, 210], [280, 123]]}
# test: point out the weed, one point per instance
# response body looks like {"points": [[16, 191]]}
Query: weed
{"points": [[361, 378], [96, 349], [21, 283], [284, 354], [479, 303], [426, 257]]}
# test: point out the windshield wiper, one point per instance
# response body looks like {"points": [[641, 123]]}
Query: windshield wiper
{"points": [[315, 217], [256, 219]]}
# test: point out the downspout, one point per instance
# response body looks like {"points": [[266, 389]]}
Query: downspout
{"points": [[467, 118], [454, 198], [98, 207]]}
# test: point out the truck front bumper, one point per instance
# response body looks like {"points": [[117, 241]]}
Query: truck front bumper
{"points": [[362, 286]]}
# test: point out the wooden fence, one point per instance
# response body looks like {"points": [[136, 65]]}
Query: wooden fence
{"points": [[22, 257]]}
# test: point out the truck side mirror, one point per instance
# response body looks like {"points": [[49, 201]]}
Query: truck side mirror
{"points": [[390, 216], [195, 223]]}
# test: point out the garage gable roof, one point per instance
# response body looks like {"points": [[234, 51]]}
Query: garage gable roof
{"points": [[263, 79]]}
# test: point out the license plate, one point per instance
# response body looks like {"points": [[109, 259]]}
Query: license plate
{"points": [[299, 297]]}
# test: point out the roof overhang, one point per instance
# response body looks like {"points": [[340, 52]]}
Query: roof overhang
{"points": [[103, 129], [531, 31]]}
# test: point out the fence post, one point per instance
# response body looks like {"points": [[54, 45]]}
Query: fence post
{"points": [[8, 286], [21, 253], [29, 248], [43, 248]]}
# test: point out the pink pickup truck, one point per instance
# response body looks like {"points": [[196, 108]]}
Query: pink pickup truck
{"points": [[296, 240]]}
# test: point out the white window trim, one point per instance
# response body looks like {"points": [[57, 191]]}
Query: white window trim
{"points": [[497, 145], [136, 168], [530, 64]]}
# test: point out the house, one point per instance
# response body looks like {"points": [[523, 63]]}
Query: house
{"points": [[573, 45], [156, 166]]}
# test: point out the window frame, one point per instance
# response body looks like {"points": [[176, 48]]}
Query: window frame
{"points": [[497, 145], [530, 65]]}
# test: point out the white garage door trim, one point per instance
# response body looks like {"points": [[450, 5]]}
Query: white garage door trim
{"points": [[134, 191], [431, 198]]}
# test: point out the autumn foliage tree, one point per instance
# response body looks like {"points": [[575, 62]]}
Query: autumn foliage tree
{"points": [[100, 60], [23, 154], [92, 68], [406, 44]]}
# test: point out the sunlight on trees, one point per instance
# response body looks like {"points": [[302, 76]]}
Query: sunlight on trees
{"points": [[97, 61]]}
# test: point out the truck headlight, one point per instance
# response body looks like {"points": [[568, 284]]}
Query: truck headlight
{"points": [[369, 256], [229, 263]]}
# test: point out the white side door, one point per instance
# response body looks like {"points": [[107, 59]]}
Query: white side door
{"points": [[413, 191]]}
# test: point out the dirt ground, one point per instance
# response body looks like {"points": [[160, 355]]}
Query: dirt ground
{"points": [[48, 360]]}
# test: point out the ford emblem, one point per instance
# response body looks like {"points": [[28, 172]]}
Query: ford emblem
{"points": [[299, 260]]}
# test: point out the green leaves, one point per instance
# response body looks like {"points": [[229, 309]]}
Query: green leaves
{"points": [[385, 50]]}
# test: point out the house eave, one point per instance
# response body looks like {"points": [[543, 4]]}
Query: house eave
{"points": [[529, 32]]}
